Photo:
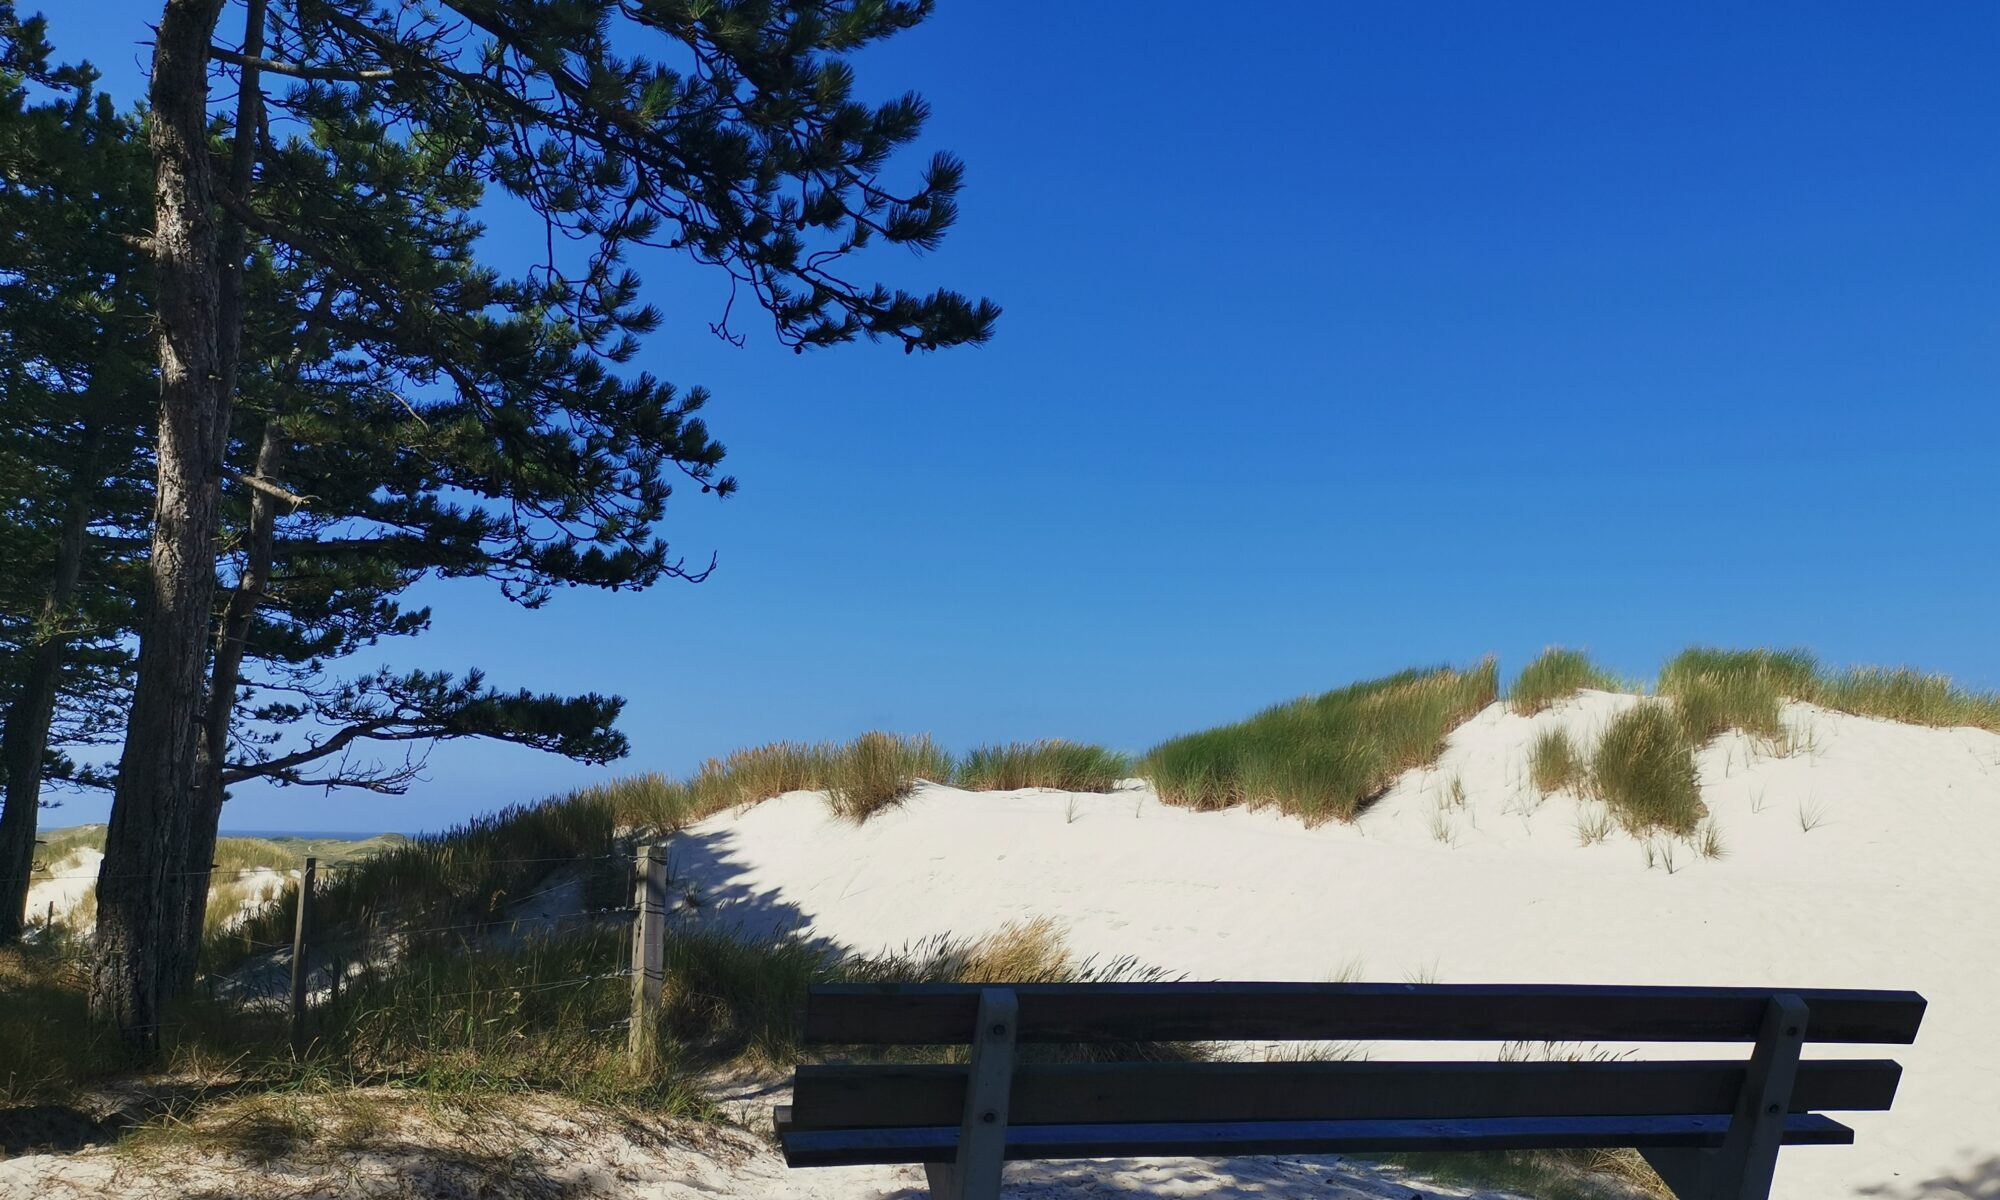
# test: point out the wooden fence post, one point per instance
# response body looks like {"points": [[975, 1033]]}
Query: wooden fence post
{"points": [[303, 916], [649, 954]]}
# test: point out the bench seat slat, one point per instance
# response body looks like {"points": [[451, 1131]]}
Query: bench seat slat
{"points": [[942, 1014], [854, 1097], [844, 1147]]}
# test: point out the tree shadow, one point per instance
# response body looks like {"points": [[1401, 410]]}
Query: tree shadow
{"points": [[708, 884]]}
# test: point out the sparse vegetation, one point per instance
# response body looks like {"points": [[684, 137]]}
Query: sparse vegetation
{"points": [[1593, 824], [1555, 675], [1555, 763], [1053, 763], [1645, 772], [1323, 757]]}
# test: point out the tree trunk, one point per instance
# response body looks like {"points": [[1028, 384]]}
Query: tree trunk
{"points": [[25, 741], [244, 601], [158, 771]]}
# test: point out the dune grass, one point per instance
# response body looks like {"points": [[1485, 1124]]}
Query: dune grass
{"points": [[1555, 675], [1908, 695], [1716, 690], [1052, 763], [861, 777], [1555, 762], [465, 874], [1323, 757], [1720, 689], [1644, 771], [877, 770]]}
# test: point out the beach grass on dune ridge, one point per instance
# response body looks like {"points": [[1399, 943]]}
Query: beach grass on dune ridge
{"points": [[1908, 695], [1555, 675], [1719, 689], [1716, 690], [861, 777], [877, 770], [1323, 757], [1051, 763]]}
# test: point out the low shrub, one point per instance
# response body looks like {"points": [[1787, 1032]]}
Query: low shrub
{"points": [[1557, 674], [1644, 771], [1053, 763], [1323, 757]]}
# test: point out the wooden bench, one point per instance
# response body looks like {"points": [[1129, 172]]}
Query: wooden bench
{"points": [[1710, 1127]]}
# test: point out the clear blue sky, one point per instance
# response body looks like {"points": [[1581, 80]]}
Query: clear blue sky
{"points": [[1337, 339]]}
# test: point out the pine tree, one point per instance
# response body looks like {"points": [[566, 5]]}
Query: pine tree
{"points": [[76, 404], [749, 155]]}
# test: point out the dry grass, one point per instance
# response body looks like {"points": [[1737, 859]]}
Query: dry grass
{"points": [[1324, 757], [1555, 675], [1645, 772], [1052, 763]]}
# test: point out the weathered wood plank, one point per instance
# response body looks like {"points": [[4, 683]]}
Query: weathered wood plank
{"points": [[844, 1147], [855, 1097], [918, 1014]]}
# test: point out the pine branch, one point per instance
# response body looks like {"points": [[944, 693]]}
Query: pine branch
{"points": [[298, 70]]}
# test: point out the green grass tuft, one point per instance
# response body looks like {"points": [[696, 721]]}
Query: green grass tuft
{"points": [[1718, 690], [877, 770], [1323, 757], [1053, 763], [1555, 763], [1644, 770], [1557, 674]]}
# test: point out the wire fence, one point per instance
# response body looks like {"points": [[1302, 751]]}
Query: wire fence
{"points": [[556, 952]]}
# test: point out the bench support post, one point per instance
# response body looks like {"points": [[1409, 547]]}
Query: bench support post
{"points": [[982, 1135], [1741, 1168]]}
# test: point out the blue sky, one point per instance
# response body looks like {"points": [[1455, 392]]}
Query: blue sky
{"points": [[1349, 338]]}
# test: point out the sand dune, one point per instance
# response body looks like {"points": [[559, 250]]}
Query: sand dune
{"points": [[1891, 886]]}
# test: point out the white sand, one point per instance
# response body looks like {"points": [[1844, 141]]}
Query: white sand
{"points": [[65, 885], [1893, 887]]}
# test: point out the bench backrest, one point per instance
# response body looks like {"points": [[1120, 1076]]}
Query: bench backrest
{"points": [[1717, 1115]]}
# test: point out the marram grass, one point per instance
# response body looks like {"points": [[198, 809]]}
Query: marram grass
{"points": [[1052, 763], [1717, 690], [1644, 771], [1555, 763], [877, 770], [1745, 689], [1324, 757], [1908, 695], [1555, 675]]}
